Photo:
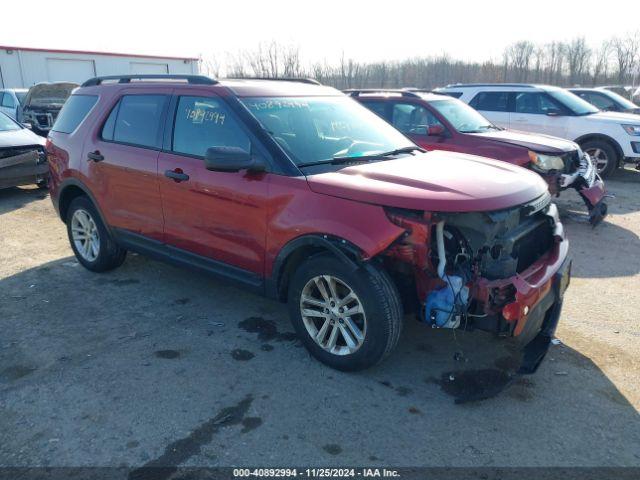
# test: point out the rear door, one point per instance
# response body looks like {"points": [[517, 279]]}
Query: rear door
{"points": [[493, 105], [538, 112], [219, 215], [122, 160]]}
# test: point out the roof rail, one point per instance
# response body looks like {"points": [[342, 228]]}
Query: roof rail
{"points": [[195, 79], [310, 81], [356, 92], [498, 84]]}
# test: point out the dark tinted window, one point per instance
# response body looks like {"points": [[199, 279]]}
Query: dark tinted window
{"points": [[137, 120], [599, 100], [203, 122], [73, 112], [379, 108], [491, 101], [411, 118], [110, 125], [536, 103]]}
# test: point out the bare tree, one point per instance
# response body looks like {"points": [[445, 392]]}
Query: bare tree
{"points": [[578, 58], [626, 50]]}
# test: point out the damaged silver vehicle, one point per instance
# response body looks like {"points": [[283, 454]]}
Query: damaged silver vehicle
{"points": [[42, 105], [23, 160]]}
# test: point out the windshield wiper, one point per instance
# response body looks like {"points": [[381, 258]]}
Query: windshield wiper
{"points": [[364, 158]]}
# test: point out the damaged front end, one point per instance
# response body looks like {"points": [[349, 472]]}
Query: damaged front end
{"points": [[23, 165], [574, 170], [504, 272], [43, 103]]}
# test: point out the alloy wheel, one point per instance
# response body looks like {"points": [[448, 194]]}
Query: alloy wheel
{"points": [[84, 233], [599, 157], [333, 315]]}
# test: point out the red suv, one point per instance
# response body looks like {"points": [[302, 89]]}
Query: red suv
{"points": [[440, 122], [295, 191]]}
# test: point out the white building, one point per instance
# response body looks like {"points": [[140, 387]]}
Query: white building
{"points": [[23, 67]]}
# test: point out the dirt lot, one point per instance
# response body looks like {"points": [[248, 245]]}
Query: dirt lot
{"points": [[151, 364]]}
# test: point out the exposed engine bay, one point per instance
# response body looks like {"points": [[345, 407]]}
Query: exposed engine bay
{"points": [[462, 263], [43, 103]]}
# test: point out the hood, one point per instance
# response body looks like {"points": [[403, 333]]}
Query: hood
{"points": [[618, 117], [436, 181], [20, 138], [51, 95], [532, 141]]}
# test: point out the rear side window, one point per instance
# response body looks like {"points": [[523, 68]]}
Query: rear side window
{"points": [[136, 120], [491, 101], [73, 112], [203, 122]]}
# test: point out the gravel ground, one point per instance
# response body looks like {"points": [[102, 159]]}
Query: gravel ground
{"points": [[155, 365]]}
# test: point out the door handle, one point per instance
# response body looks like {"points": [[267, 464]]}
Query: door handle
{"points": [[95, 156], [177, 175]]}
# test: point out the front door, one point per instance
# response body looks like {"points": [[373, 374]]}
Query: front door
{"points": [[539, 113], [219, 215]]}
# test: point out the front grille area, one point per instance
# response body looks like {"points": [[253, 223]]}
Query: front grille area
{"points": [[15, 151], [528, 249]]}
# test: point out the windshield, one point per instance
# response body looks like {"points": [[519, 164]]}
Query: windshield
{"points": [[21, 96], [573, 102], [461, 116], [8, 125], [317, 129], [620, 100]]}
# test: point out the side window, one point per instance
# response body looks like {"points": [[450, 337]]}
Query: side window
{"points": [[136, 120], [379, 108], [491, 101], [74, 111], [8, 101], [203, 122], [600, 100], [414, 119], [535, 103]]}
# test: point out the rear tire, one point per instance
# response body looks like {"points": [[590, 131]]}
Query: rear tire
{"points": [[361, 306], [604, 156], [91, 242]]}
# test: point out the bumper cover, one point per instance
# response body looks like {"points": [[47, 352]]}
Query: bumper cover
{"points": [[22, 169]]}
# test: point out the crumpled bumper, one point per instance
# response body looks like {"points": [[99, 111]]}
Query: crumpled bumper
{"points": [[586, 181], [533, 312]]}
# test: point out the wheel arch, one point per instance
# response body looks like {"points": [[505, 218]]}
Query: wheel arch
{"points": [[605, 138], [71, 189], [299, 249]]}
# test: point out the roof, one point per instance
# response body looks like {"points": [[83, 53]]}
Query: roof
{"points": [[426, 95], [267, 87], [276, 88], [90, 52], [455, 86]]}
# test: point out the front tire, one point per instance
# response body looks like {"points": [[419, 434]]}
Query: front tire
{"points": [[348, 319], [604, 156], [92, 244]]}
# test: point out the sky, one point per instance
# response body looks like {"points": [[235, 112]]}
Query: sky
{"points": [[323, 29]]}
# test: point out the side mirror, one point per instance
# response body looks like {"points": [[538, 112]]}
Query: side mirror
{"points": [[435, 131], [554, 113], [231, 159], [27, 125]]}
